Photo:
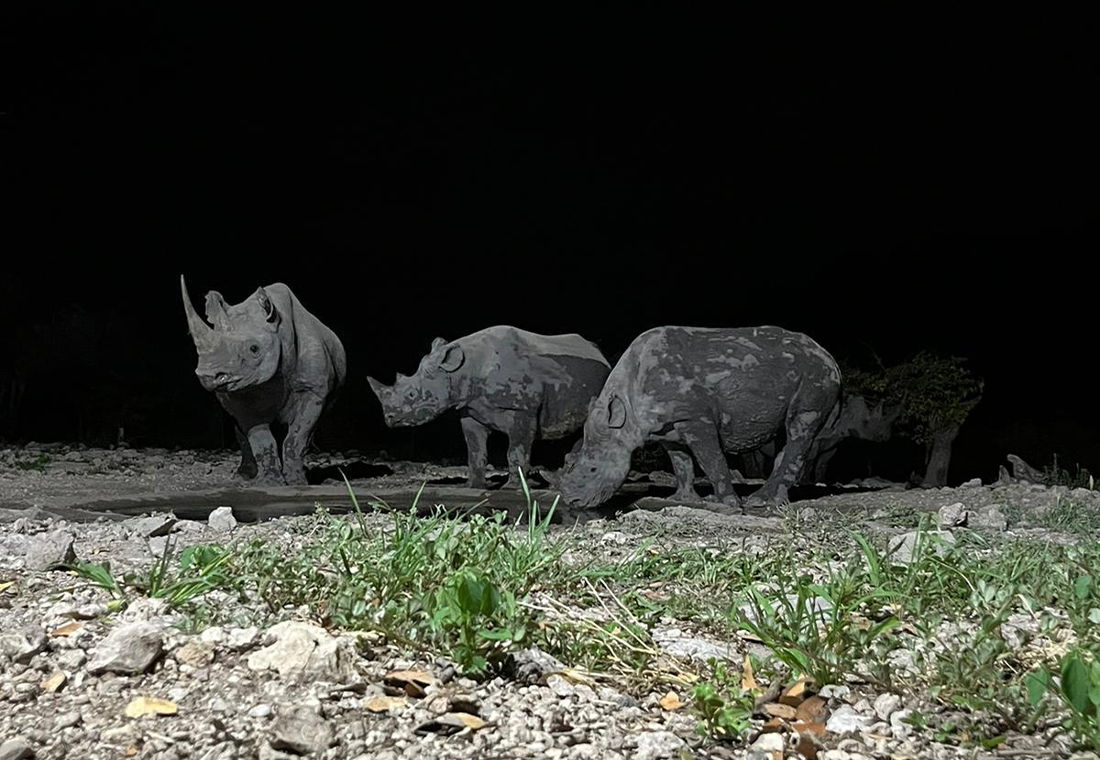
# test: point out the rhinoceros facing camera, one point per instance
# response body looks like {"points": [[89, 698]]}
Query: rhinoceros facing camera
{"points": [[267, 360]]}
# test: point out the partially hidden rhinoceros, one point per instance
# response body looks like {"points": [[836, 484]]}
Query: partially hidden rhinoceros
{"points": [[701, 393], [522, 384], [268, 361]]}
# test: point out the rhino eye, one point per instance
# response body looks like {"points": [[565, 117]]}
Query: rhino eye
{"points": [[410, 394], [254, 348]]}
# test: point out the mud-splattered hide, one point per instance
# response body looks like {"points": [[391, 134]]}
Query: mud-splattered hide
{"points": [[243, 348], [503, 379], [702, 393], [267, 360], [427, 394]]}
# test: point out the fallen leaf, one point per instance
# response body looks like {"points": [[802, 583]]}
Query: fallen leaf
{"points": [[816, 728], [811, 710], [795, 694], [775, 709], [384, 704], [131, 750], [66, 630], [412, 681], [6, 586], [806, 747], [671, 702], [748, 681], [451, 723], [54, 682], [150, 706]]}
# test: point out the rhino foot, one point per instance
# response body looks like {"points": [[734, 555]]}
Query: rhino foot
{"points": [[476, 483], [247, 473], [729, 500], [270, 479]]}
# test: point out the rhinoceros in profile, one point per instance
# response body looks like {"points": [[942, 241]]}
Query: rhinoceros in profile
{"points": [[702, 392], [524, 385], [267, 360]]}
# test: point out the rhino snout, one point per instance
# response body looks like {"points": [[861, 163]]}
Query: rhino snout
{"points": [[214, 380]]}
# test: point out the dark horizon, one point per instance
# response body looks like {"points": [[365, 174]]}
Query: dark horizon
{"points": [[893, 201]]}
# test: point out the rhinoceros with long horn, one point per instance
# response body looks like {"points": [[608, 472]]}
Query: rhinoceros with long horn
{"points": [[267, 360], [522, 384], [702, 393]]}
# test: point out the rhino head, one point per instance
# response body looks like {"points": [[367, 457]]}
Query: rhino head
{"points": [[859, 419], [240, 347], [427, 394], [611, 434]]}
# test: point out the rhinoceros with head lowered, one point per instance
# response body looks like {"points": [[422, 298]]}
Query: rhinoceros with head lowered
{"points": [[524, 385], [267, 360], [703, 392]]}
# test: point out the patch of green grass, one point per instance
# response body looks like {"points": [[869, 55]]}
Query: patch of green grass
{"points": [[1070, 516], [724, 708], [38, 463], [200, 570]]}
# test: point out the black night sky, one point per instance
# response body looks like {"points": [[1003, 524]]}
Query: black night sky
{"points": [[572, 174]]}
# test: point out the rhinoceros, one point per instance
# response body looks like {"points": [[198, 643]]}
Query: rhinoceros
{"points": [[522, 384], [703, 392], [267, 360], [857, 419]]}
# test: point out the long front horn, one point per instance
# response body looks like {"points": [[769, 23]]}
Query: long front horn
{"points": [[201, 332]]}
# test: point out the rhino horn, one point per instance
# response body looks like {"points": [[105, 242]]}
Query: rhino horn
{"points": [[201, 332], [381, 390]]}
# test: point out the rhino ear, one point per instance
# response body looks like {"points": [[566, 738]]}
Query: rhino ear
{"points": [[616, 413], [270, 313], [215, 309], [452, 358], [437, 344]]}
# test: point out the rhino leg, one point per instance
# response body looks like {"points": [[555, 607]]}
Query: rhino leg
{"points": [[303, 418], [248, 461], [477, 451], [803, 425], [521, 437], [702, 440], [684, 468], [266, 453]]}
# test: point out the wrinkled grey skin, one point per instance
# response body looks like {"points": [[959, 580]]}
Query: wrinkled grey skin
{"points": [[857, 419], [702, 392], [524, 385], [267, 360]]}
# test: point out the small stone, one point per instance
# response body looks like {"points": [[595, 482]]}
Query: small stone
{"points": [[15, 749], [973, 483], [128, 650], [241, 639], [560, 686], [260, 711], [222, 519], [835, 691], [845, 720], [953, 515], [657, 745], [197, 654], [68, 720], [71, 659], [303, 731], [149, 527], [989, 518], [51, 551], [885, 704], [306, 652], [214, 635], [903, 547], [23, 645], [770, 742]]}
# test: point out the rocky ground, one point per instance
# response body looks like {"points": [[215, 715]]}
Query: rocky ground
{"points": [[86, 672]]}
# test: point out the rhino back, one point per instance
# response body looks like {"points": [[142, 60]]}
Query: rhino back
{"points": [[320, 362], [534, 344], [744, 376]]}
